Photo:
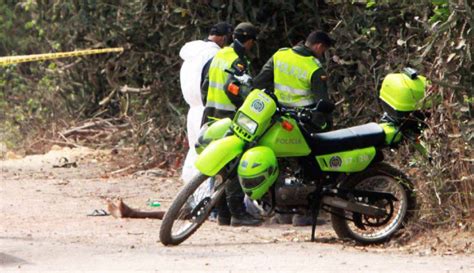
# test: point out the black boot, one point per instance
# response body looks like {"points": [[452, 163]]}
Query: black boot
{"points": [[223, 213], [299, 220], [223, 221], [245, 219], [235, 202]]}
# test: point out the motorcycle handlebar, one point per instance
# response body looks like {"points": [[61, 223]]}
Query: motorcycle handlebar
{"points": [[306, 114], [243, 78], [303, 115]]}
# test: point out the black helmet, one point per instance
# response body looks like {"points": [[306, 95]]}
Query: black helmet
{"points": [[221, 29], [245, 31]]}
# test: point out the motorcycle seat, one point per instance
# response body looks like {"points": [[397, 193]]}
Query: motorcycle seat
{"points": [[351, 138]]}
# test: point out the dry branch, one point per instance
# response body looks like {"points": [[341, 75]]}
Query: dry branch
{"points": [[127, 89], [88, 125]]}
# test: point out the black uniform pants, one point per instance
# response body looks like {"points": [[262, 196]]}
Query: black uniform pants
{"points": [[232, 202]]}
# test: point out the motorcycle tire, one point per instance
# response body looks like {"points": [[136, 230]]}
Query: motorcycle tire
{"points": [[192, 215], [366, 231]]}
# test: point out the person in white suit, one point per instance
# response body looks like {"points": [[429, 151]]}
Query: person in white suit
{"points": [[195, 55]]}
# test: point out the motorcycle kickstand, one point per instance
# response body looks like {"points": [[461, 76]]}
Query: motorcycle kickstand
{"points": [[315, 205]]}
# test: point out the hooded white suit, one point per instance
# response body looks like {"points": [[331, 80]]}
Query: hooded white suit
{"points": [[195, 55]]}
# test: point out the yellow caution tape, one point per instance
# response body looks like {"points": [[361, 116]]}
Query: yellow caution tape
{"points": [[4, 61]]}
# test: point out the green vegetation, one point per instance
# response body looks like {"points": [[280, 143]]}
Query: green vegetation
{"points": [[139, 87]]}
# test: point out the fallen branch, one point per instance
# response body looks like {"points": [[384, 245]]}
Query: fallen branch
{"points": [[61, 142], [127, 89], [123, 169], [86, 126], [108, 98]]}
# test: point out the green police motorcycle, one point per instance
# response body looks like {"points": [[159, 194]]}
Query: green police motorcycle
{"points": [[287, 166]]}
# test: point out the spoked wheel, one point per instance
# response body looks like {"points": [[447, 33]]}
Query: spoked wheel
{"points": [[190, 208], [366, 229]]}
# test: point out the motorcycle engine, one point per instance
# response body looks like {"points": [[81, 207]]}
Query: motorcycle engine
{"points": [[291, 189]]}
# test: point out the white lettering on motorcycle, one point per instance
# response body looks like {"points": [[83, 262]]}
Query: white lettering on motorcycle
{"points": [[363, 158], [336, 162]]}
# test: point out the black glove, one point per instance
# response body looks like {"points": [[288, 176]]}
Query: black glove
{"points": [[319, 120]]}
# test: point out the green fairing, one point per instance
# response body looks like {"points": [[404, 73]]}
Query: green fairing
{"points": [[286, 143], [260, 108], [402, 93], [392, 133], [216, 130], [218, 154], [348, 161]]}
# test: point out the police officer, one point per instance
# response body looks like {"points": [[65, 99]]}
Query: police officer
{"points": [[298, 80], [297, 77], [221, 104]]}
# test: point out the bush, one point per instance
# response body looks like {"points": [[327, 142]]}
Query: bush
{"points": [[139, 87]]}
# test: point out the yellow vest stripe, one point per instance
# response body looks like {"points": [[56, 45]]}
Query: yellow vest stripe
{"points": [[299, 103], [216, 85], [292, 78], [289, 89]]}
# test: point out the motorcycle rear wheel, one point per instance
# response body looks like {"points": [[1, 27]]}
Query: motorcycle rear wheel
{"points": [[371, 230], [190, 209]]}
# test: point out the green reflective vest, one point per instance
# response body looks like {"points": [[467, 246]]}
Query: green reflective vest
{"points": [[216, 96], [292, 78]]}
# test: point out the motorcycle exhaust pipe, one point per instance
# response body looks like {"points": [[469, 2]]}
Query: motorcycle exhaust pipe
{"points": [[352, 206]]}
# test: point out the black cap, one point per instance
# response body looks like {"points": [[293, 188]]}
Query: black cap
{"points": [[246, 29], [221, 29], [320, 37]]}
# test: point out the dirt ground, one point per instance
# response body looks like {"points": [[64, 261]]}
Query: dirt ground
{"points": [[45, 227]]}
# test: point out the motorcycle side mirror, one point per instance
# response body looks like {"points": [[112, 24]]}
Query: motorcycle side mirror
{"points": [[410, 72], [325, 106]]}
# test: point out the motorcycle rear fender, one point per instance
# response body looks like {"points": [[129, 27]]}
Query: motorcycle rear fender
{"points": [[218, 154]]}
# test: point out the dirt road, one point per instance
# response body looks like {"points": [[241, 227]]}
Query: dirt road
{"points": [[44, 227]]}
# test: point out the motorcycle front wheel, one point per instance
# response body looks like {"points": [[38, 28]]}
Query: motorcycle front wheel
{"points": [[380, 177], [190, 208]]}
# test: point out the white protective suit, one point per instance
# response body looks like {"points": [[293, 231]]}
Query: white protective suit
{"points": [[195, 55]]}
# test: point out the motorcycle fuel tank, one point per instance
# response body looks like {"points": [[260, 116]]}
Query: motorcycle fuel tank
{"points": [[286, 141]]}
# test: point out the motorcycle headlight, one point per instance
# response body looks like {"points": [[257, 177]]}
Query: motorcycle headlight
{"points": [[246, 123]]}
